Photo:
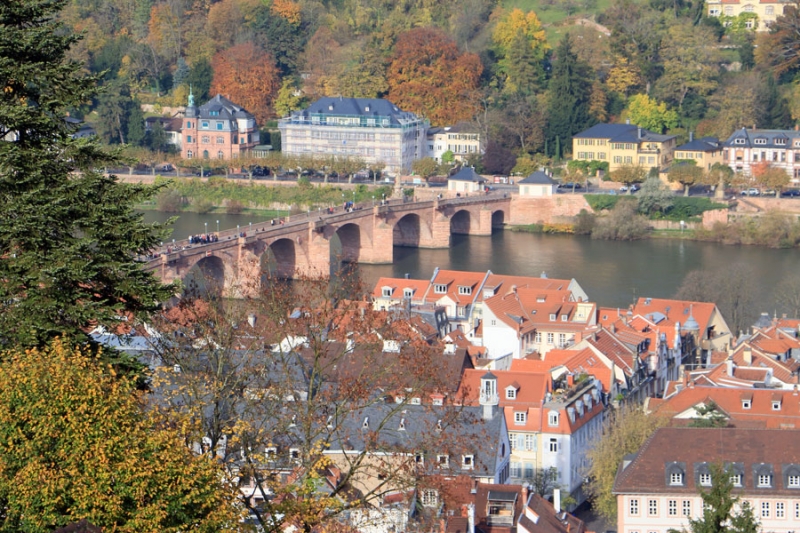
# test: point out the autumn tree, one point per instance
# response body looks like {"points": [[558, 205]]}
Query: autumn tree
{"points": [[779, 49], [70, 234], [623, 77], [629, 174], [568, 95], [288, 98], [425, 167], [342, 374], [247, 76], [521, 47], [625, 431], [687, 173], [650, 114], [720, 175], [767, 176], [96, 455], [691, 64], [322, 64], [430, 76]]}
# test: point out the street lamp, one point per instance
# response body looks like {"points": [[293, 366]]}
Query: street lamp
{"points": [[217, 226], [373, 200], [238, 233], [206, 225]]}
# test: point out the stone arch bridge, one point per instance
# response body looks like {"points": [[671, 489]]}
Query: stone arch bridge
{"points": [[302, 245]]}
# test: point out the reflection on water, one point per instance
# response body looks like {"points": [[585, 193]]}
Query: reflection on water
{"points": [[612, 273]]}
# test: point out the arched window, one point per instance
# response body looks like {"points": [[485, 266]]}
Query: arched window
{"points": [[205, 154], [220, 155], [189, 154], [748, 9]]}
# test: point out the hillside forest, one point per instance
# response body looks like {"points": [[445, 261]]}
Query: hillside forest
{"points": [[528, 73]]}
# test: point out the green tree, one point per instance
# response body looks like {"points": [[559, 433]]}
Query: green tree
{"points": [[425, 167], [777, 113], [181, 73], [691, 62], [654, 197], [199, 79], [113, 111], [521, 47], [96, 454], [687, 173], [70, 234], [629, 174], [135, 125], [569, 94], [709, 416], [448, 157], [288, 99], [719, 512], [648, 113]]}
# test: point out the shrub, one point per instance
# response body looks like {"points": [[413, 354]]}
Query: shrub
{"points": [[623, 223], [234, 207], [584, 223], [601, 202], [202, 205], [169, 201]]}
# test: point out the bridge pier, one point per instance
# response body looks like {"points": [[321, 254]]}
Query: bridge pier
{"points": [[484, 225], [381, 249], [318, 253], [440, 230]]}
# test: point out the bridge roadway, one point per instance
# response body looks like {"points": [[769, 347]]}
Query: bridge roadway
{"points": [[299, 245]]}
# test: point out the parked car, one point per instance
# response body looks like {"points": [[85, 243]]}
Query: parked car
{"points": [[570, 185], [790, 193], [752, 191], [635, 187]]}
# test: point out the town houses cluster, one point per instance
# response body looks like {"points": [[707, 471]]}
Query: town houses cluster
{"points": [[528, 369]]}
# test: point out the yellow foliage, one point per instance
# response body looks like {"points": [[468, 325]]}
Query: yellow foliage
{"points": [[287, 9], [516, 22], [622, 76]]}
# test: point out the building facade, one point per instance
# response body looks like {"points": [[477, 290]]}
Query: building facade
{"points": [[704, 152], [756, 16], [623, 144], [780, 148], [218, 129], [658, 489], [373, 130], [462, 140]]}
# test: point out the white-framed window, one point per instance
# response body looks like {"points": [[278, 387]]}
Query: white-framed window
{"points": [[387, 291], [553, 445], [511, 393], [408, 293], [552, 419], [730, 8], [204, 124], [520, 417], [220, 139], [770, 10], [443, 461], [672, 507], [765, 509], [271, 452], [419, 459], [549, 338], [205, 139], [748, 9], [746, 404], [705, 479], [562, 339], [537, 338], [764, 480], [430, 497], [687, 507], [776, 405], [220, 155], [467, 462], [464, 290], [676, 478], [633, 508], [553, 316], [760, 140], [652, 507], [294, 453], [780, 510], [736, 480], [793, 481], [219, 125], [530, 443], [440, 288], [797, 510], [516, 470]]}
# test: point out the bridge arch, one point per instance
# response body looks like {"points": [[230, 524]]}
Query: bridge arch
{"points": [[461, 222], [498, 219], [206, 277], [410, 230], [280, 259], [350, 237]]}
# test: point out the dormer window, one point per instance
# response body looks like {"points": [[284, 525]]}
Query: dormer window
{"points": [[464, 290], [419, 459], [705, 479], [738, 141], [793, 481], [552, 316], [520, 417], [467, 462], [365, 423], [440, 288], [676, 478], [387, 292], [564, 318], [780, 141], [408, 293], [764, 480], [760, 140], [511, 393], [294, 453], [271, 452], [443, 461], [402, 426], [552, 419], [736, 480]]}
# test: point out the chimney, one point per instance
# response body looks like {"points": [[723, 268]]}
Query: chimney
{"points": [[730, 366], [748, 356], [557, 500], [471, 518], [570, 380], [627, 121], [639, 133], [613, 328], [684, 376], [691, 136], [525, 487]]}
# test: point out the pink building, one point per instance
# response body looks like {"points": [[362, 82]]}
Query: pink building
{"points": [[218, 129]]}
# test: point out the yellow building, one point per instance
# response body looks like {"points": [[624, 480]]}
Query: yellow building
{"points": [[623, 144], [756, 16], [704, 152]]}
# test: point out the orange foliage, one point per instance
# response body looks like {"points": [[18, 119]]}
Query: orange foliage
{"points": [[286, 9], [430, 76], [248, 77]]}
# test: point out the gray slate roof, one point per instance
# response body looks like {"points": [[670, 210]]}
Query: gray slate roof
{"points": [[780, 139], [706, 144], [621, 133], [467, 174], [227, 110], [360, 107], [537, 178]]}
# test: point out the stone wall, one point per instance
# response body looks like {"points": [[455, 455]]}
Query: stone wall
{"points": [[712, 217], [559, 208]]}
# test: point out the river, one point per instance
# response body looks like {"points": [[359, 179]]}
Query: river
{"points": [[612, 273]]}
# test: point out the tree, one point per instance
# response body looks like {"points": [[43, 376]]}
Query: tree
{"points": [[523, 123], [787, 295], [70, 234], [623, 223], [498, 159], [649, 114], [135, 127], [654, 196], [720, 176], [113, 110], [425, 167], [249, 77], [691, 63], [181, 73], [96, 455], [628, 175], [720, 514], [288, 99], [364, 76], [429, 76], [281, 38], [778, 116], [709, 416], [769, 177], [199, 79], [598, 102], [521, 47], [625, 431], [779, 49], [623, 77], [569, 94], [687, 173]]}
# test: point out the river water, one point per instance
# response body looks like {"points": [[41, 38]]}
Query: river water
{"points": [[612, 273]]}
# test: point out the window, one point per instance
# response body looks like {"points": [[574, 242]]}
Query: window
{"points": [[552, 419], [736, 480], [672, 507], [387, 291], [188, 123], [797, 510], [765, 509], [440, 288], [760, 140], [705, 479], [419, 459], [793, 481], [511, 393], [746, 404], [537, 338], [408, 293], [748, 9], [520, 417], [204, 124], [530, 443], [553, 445], [687, 507], [205, 154], [634, 507], [205, 139], [549, 338], [676, 478], [562, 339], [443, 461], [780, 510], [776, 405], [188, 138], [219, 125], [220, 155], [189, 154], [516, 470], [467, 462], [464, 290], [652, 507], [430, 497], [736, 141], [294, 453], [764, 480], [770, 10]]}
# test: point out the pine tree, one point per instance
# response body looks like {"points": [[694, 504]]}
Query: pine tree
{"points": [[719, 514], [522, 66], [135, 124], [181, 73], [569, 93], [777, 111], [69, 233]]}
